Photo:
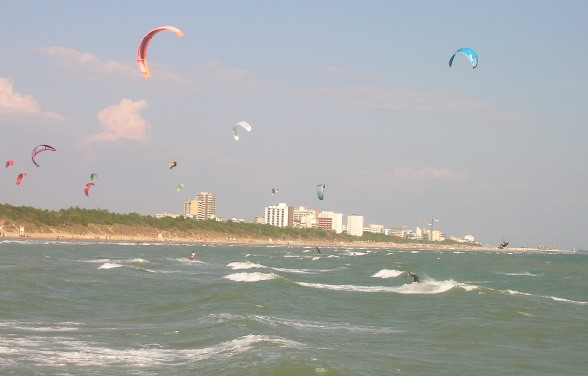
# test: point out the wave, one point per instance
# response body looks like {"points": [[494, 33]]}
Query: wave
{"points": [[554, 298], [67, 350], [425, 287], [109, 265], [388, 273], [528, 274], [42, 327], [244, 265], [295, 271], [251, 277], [557, 299], [324, 326]]}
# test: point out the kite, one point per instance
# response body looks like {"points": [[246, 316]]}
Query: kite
{"points": [[38, 149], [179, 187], [19, 178], [320, 191], [275, 190], [172, 164], [142, 52], [242, 124], [469, 53], [87, 189], [9, 163]]}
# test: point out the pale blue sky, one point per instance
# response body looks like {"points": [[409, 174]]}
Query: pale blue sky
{"points": [[357, 95]]}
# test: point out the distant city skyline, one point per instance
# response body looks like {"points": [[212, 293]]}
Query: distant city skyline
{"points": [[283, 215]]}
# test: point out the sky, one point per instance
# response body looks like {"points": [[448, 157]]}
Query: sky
{"points": [[356, 95]]}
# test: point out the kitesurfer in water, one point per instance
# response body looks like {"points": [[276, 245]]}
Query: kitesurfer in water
{"points": [[415, 278], [192, 256], [318, 249]]}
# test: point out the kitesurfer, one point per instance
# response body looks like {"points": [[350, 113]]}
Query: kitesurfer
{"points": [[192, 256], [318, 249], [415, 278]]}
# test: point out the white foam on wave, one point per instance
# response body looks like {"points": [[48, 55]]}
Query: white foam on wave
{"points": [[109, 265], [515, 292], [245, 265], [141, 260], [351, 252], [388, 273], [251, 277], [527, 274], [557, 299], [425, 287], [66, 350], [313, 326], [66, 326], [468, 287], [295, 271], [554, 298]]}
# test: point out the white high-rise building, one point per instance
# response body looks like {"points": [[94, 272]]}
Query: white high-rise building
{"points": [[278, 215], [202, 207], [206, 206], [355, 225]]}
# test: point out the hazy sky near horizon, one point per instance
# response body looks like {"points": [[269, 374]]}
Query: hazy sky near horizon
{"points": [[357, 95]]}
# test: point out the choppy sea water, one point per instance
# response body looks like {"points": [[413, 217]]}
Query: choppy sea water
{"points": [[76, 308]]}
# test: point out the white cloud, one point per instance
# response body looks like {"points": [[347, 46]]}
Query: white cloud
{"points": [[122, 121], [13, 103], [73, 59], [371, 97], [204, 76], [215, 75]]}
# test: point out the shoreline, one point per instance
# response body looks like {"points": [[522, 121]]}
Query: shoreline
{"points": [[216, 240]]}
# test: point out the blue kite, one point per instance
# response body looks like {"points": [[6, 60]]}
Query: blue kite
{"points": [[469, 53]]}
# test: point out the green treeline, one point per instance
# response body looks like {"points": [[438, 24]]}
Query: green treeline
{"points": [[84, 217]]}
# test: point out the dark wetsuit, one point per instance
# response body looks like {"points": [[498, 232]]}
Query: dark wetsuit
{"points": [[415, 278]]}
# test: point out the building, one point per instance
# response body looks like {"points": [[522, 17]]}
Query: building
{"points": [[206, 206], [325, 223], [437, 236], [355, 225], [166, 215], [376, 229], [469, 238], [304, 218], [202, 207], [331, 221], [190, 208], [280, 215]]}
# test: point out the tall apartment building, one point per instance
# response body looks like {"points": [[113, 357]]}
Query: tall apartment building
{"points": [[304, 218], [280, 215], [328, 220], [355, 225], [191, 208], [202, 207]]}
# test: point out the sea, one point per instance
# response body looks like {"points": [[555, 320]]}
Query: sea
{"points": [[125, 308]]}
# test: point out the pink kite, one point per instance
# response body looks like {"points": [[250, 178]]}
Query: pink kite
{"points": [[142, 52], [87, 189], [20, 176]]}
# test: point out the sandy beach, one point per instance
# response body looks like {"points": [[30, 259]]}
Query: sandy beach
{"points": [[110, 235]]}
